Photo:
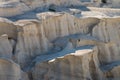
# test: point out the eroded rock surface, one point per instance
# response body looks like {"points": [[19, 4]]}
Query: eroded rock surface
{"points": [[11, 71], [108, 31], [81, 64], [31, 42], [5, 47], [66, 41]]}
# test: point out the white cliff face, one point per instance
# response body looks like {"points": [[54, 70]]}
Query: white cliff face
{"points": [[11, 71], [108, 31], [31, 42], [7, 27], [34, 37], [54, 32], [81, 64], [5, 47], [60, 25], [64, 44]]}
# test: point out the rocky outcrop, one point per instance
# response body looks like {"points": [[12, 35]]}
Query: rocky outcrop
{"points": [[35, 37], [16, 7], [81, 64], [31, 42], [7, 27], [108, 47], [5, 47], [11, 71], [111, 70], [108, 31], [64, 24], [59, 45]]}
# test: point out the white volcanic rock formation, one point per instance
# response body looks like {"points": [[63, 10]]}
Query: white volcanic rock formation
{"points": [[11, 71], [7, 27], [72, 42], [31, 41], [5, 47], [51, 39], [107, 32], [34, 37], [81, 64]]}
